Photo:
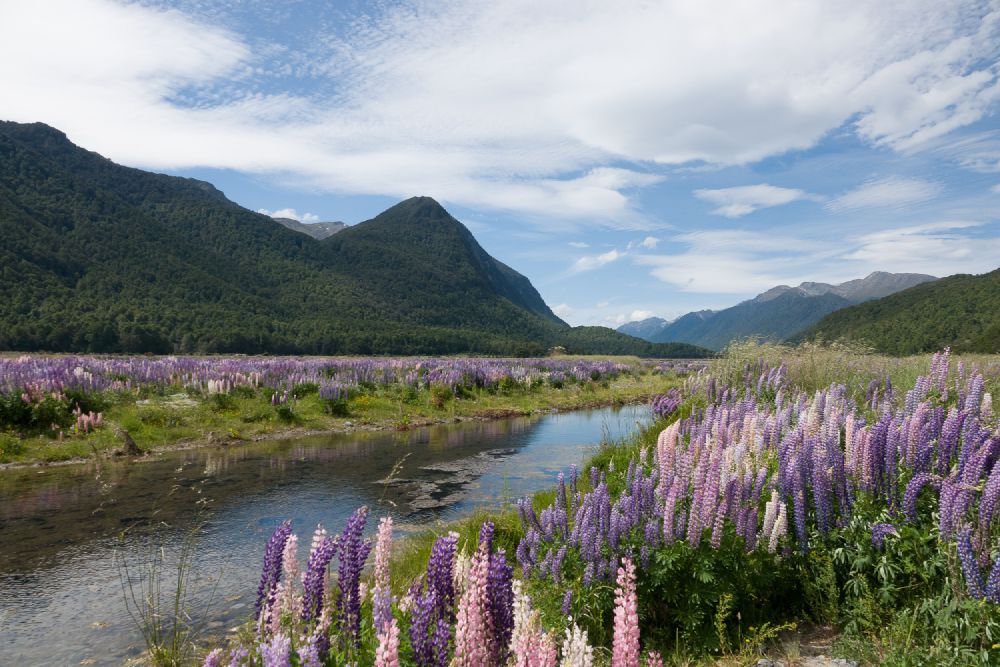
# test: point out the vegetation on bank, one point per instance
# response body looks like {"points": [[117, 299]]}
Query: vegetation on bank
{"points": [[961, 312], [59, 408], [769, 497]]}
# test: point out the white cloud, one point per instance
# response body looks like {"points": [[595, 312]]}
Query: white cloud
{"points": [[523, 106], [579, 244], [290, 213], [739, 201], [562, 310], [649, 242], [996, 188], [590, 262], [640, 315], [938, 249], [891, 192], [746, 263]]}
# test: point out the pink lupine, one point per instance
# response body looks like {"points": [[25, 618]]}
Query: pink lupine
{"points": [[472, 631], [381, 595], [387, 653], [653, 659], [625, 644]]}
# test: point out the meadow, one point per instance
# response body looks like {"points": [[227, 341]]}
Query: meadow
{"points": [[779, 488], [57, 408]]}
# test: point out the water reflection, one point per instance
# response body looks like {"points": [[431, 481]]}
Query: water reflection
{"points": [[60, 595]]}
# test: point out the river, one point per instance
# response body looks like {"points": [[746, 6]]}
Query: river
{"points": [[64, 530]]}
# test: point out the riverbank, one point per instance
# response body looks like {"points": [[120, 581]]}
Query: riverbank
{"points": [[178, 417]]}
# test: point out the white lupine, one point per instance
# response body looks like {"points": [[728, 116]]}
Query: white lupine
{"points": [[770, 514], [576, 651], [780, 528]]}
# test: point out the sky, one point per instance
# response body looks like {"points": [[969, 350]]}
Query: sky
{"points": [[633, 159]]}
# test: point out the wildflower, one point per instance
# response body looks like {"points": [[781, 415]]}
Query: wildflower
{"points": [[880, 531], [278, 652], [625, 643], [387, 653], [381, 595], [576, 651], [271, 570]]}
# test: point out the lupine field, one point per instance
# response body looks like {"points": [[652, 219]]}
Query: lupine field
{"points": [[73, 399], [751, 506]]}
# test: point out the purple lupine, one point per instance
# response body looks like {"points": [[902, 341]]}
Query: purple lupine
{"points": [[567, 603], [421, 621], [500, 601], [993, 582], [880, 531], [970, 568], [440, 568], [352, 553], [271, 570], [314, 580]]}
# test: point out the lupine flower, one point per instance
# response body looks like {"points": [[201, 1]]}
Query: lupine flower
{"points": [[576, 651], [653, 659], [970, 568], [625, 643], [352, 552], [213, 659], [277, 652], [472, 631], [271, 570], [880, 531], [314, 581], [567, 603], [381, 595], [387, 653]]}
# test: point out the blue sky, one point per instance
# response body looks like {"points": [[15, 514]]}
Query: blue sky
{"points": [[631, 159]]}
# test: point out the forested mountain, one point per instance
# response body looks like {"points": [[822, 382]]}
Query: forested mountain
{"points": [[778, 313], [961, 312], [97, 257]]}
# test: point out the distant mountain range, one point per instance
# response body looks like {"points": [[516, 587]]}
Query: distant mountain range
{"points": [[96, 257], [961, 312], [317, 230], [776, 314]]}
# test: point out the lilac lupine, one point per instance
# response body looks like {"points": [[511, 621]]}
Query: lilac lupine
{"points": [[948, 441], [880, 531], [271, 570], [970, 568], [277, 652], [913, 489], [314, 581], [353, 553], [989, 500]]}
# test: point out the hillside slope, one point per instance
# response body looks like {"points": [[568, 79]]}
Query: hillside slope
{"points": [[97, 257], [961, 312]]}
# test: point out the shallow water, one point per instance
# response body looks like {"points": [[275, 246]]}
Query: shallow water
{"points": [[61, 596]]}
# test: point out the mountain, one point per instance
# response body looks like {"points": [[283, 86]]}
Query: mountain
{"points": [[646, 329], [97, 257], [961, 312], [781, 311], [317, 230]]}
